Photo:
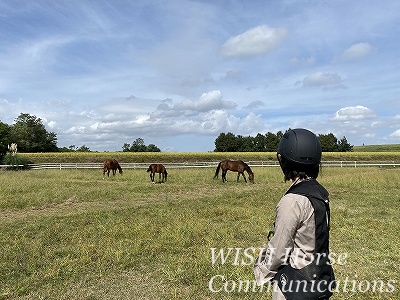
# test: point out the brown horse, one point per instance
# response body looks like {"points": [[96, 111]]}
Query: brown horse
{"points": [[235, 166], [157, 168], [111, 165]]}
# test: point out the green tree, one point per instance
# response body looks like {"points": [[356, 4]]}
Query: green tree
{"points": [[272, 142], [259, 144], [231, 143], [153, 148], [138, 146], [244, 143], [4, 138], [344, 146], [126, 147], [328, 142], [83, 148], [31, 135], [226, 142]]}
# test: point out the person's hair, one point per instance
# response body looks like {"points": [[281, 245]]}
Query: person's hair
{"points": [[292, 171]]}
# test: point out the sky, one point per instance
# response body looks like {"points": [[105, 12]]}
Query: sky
{"points": [[178, 73]]}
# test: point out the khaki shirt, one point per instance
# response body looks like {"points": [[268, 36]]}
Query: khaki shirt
{"points": [[293, 241]]}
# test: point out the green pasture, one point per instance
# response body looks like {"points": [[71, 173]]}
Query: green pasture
{"points": [[378, 148], [70, 234]]}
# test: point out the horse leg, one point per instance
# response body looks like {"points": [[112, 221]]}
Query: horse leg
{"points": [[224, 175], [152, 176], [244, 177], [159, 177]]}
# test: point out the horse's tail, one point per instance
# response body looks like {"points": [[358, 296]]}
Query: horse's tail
{"points": [[149, 169], [217, 170]]}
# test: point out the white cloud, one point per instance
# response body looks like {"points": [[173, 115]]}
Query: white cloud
{"points": [[78, 69], [41, 48], [232, 74], [220, 120], [354, 113], [355, 52], [255, 104], [52, 124], [322, 79], [256, 41], [76, 130], [302, 62], [395, 134], [251, 124], [207, 101]]}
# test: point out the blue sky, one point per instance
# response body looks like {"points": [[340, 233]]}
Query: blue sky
{"points": [[178, 73]]}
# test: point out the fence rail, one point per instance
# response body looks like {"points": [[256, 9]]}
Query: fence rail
{"points": [[182, 165]]}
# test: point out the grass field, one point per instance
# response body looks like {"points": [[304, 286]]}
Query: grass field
{"points": [[378, 148], [70, 234]]}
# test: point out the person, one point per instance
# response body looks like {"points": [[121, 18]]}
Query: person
{"points": [[296, 259]]}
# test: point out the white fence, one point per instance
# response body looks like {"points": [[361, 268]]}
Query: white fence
{"points": [[60, 166]]}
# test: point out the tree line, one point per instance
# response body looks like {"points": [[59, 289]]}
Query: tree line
{"points": [[31, 136], [229, 142], [29, 133], [138, 145]]}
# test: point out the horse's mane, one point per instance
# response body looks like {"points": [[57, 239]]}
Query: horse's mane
{"points": [[247, 167]]}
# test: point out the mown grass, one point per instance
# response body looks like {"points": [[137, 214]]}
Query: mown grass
{"points": [[378, 148], [69, 234]]}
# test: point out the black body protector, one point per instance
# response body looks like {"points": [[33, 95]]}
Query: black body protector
{"points": [[316, 280]]}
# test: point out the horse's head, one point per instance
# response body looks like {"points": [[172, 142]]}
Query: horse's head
{"points": [[251, 177]]}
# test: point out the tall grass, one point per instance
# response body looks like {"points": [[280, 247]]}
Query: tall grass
{"points": [[69, 234]]}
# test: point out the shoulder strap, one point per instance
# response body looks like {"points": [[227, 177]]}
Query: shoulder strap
{"points": [[319, 198]]}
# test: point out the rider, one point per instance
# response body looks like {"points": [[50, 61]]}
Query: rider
{"points": [[299, 248]]}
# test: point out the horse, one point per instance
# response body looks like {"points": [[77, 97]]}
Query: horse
{"points": [[111, 165], [160, 169], [235, 166], [13, 149]]}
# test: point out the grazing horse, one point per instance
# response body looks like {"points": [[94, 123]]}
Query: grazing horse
{"points": [[235, 166], [157, 168], [111, 165], [13, 148]]}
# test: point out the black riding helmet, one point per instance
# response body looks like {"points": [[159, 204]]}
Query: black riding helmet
{"points": [[300, 150]]}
